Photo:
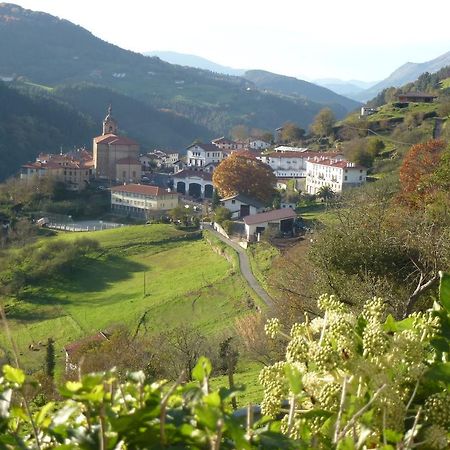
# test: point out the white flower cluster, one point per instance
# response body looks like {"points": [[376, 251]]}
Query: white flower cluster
{"points": [[367, 354], [272, 327]]}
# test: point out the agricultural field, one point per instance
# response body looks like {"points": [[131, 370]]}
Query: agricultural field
{"points": [[173, 276]]}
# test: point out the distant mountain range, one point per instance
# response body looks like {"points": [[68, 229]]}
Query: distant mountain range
{"points": [[406, 73], [183, 59], [45, 50], [350, 88], [291, 86]]}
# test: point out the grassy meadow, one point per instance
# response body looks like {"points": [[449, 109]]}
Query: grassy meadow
{"points": [[185, 282]]}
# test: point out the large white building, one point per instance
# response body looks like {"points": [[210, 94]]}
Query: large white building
{"points": [[334, 173], [292, 164], [200, 155]]}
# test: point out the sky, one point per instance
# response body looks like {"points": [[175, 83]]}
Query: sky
{"points": [[309, 39]]}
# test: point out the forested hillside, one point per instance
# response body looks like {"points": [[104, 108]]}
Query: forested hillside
{"points": [[32, 123], [47, 50]]}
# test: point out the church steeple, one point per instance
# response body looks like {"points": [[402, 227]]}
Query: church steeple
{"points": [[109, 124]]}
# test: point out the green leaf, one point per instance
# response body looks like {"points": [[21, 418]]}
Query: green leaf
{"points": [[439, 372], [392, 325], [346, 444], [393, 436], [441, 344], [212, 399], [14, 375], [444, 290], [43, 412], [202, 369], [294, 378]]}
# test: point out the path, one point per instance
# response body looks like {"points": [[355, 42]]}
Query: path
{"points": [[245, 267]]}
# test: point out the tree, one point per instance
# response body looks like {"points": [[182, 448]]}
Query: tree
{"points": [[290, 132], [323, 123], [240, 132], [356, 151], [242, 173], [228, 357], [325, 193], [221, 215], [375, 146], [419, 163], [50, 361]]}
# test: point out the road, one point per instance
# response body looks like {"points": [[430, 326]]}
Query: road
{"points": [[245, 267]]}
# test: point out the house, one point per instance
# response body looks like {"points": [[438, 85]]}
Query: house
{"points": [[72, 350], [110, 148], [240, 206], [366, 111], [195, 183], [258, 144], [227, 144], [279, 220], [142, 200], [75, 169], [292, 164], [417, 97], [334, 173], [200, 155]]}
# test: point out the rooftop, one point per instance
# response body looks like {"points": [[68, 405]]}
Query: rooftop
{"points": [[244, 199], [143, 189], [342, 164], [270, 216], [114, 139], [186, 173]]}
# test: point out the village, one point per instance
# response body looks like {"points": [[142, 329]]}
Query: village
{"points": [[150, 185]]}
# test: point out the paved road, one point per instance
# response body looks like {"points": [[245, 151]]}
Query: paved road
{"points": [[245, 267]]}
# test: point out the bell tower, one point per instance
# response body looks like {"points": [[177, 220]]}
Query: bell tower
{"points": [[109, 124]]}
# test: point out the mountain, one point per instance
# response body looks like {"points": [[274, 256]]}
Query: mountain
{"points": [[350, 88], [183, 59], [31, 123], [406, 73], [49, 51], [291, 86]]}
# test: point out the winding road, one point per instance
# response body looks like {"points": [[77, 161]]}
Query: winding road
{"points": [[245, 267]]}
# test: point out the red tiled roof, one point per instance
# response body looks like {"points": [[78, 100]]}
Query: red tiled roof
{"points": [[269, 216], [143, 189], [130, 160], [305, 154], [114, 139]]}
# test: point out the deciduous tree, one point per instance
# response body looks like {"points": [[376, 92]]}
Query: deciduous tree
{"points": [[242, 173], [323, 122]]}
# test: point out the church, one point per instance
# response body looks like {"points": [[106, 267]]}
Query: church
{"points": [[116, 158]]}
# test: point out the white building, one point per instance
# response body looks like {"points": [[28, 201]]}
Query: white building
{"points": [[258, 144], [194, 183], [227, 144], [292, 164], [279, 220], [336, 174], [241, 206], [142, 200], [199, 155]]}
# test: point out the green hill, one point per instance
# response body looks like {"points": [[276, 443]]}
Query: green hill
{"points": [[50, 51], [33, 123], [294, 87], [185, 282]]}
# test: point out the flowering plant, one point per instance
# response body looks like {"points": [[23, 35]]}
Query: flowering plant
{"points": [[364, 381]]}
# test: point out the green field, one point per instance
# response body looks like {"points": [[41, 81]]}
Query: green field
{"points": [[185, 282]]}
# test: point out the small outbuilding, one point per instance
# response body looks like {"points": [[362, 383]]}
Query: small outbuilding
{"points": [[416, 97], [280, 220], [240, 206]]}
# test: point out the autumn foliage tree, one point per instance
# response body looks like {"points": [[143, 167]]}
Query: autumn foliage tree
{"points": [[242, 173], [419, 164]]}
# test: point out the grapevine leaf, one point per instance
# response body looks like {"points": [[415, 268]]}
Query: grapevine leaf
{"points": [[13, 375], [202, 369]]}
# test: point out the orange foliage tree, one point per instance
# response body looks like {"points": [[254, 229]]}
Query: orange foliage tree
{"points": [[421, 161], [242, 173]]}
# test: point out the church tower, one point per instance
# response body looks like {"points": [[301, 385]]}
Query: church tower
{"points": [[109, 124]]}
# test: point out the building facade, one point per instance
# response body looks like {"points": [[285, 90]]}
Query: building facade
{"points": [[142, 200], [200, 155], [292, 164], [112, 152], [75, 169], [336, 174]]}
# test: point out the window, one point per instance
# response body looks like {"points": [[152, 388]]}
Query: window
{"points": [[233, 202], [345, 178], [360, 177]]}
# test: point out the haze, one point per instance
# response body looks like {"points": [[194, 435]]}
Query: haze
{"points": [[322, 39]]}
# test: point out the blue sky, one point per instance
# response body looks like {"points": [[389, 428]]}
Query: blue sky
{"points": [[346, 39]]}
